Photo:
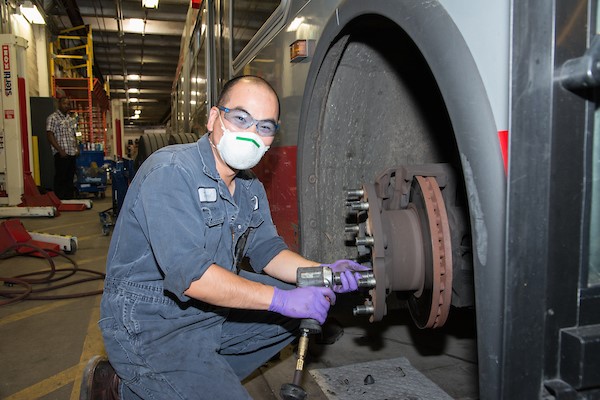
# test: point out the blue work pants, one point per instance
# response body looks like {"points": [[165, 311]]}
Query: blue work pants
{"points": [[180, 355]]}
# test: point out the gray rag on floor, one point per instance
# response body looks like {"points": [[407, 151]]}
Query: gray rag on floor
{"points": [[393, 379]]}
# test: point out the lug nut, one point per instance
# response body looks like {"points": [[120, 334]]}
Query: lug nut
{"points": [[360, 206], [363, 310], [367, 280], [365, 241]]}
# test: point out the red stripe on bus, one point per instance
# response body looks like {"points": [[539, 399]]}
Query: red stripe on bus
{"points": [[503, 138], [277, 172]]}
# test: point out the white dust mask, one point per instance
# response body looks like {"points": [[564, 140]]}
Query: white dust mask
{"points": [[240, 150]]}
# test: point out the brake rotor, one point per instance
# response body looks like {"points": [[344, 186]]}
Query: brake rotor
{"points": [[410, 249], [429, 307]]}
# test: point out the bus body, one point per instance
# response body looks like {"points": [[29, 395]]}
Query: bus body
{"points": [[369, 89]]}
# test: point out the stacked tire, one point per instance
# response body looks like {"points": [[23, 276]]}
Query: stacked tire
{"points": [[150, 142], [180, 138]]}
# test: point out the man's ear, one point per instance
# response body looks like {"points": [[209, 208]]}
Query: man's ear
{"points": [[212, 117]]}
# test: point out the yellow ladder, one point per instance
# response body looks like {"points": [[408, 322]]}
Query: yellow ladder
{"points": [[62, 49]]}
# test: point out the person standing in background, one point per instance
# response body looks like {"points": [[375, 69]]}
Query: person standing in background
{"points": [[60, 129]]}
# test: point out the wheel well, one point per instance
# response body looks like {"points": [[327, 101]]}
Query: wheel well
{"points": [[326, 166], [382, 108]]}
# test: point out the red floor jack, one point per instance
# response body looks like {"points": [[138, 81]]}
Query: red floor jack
{"points": [[14, 235], [33, 198]]}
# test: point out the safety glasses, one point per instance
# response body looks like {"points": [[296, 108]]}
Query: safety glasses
{"points": [[241, 119]]}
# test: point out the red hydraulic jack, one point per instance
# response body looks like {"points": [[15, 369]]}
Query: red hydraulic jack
{"points": [[13, 235], [33, 198]]}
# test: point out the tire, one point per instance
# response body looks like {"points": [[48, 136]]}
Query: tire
{"points": [[180, 138], [148, 143]]}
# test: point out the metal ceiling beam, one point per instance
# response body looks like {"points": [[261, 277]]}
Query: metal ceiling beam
{"points": [[147, 78], [162, 63], [167, 12], [134, 53], [153, 27], [111, 39]]}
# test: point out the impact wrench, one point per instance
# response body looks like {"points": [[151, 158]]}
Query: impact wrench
{"points": [[314, 276]]}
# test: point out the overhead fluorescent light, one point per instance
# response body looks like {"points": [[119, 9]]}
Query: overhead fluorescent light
{"points": [[150, 3], [31, 13], [137, 112], [135, 25]]}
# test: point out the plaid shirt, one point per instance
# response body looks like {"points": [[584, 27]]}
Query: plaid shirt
{"points": [[63, 128]]}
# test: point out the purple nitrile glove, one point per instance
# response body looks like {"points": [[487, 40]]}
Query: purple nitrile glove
{"points": [[348, 275], [306, 302]]}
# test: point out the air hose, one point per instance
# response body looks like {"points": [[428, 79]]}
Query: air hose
{"points": [[49, 276]]}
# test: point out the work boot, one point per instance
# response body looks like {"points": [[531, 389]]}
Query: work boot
{"points": [[100, 381]]}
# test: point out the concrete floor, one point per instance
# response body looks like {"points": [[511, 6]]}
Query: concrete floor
{"points": [[45, 344]]}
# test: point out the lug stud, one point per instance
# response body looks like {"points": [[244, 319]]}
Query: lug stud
{"points": [[365, 241], [354, 194], [363, 310], [360, 206], [351, 229]]}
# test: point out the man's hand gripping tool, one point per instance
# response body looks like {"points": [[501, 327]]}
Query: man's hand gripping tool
{"points": [[314, 276]]}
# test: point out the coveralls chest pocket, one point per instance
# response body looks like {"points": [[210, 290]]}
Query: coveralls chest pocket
{"points": [[245, 241], [214, 217], [256, 220]]}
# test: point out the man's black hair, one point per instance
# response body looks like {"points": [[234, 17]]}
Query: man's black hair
{"points": [[224, 96]]}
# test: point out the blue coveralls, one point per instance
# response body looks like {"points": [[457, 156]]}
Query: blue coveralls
{"points": [[177, 219]]}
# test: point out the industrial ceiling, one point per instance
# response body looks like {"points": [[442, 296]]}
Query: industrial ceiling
{"points": [[140, 62]]}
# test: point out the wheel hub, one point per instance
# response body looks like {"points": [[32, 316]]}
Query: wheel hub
{"points": [[402, 225]]}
